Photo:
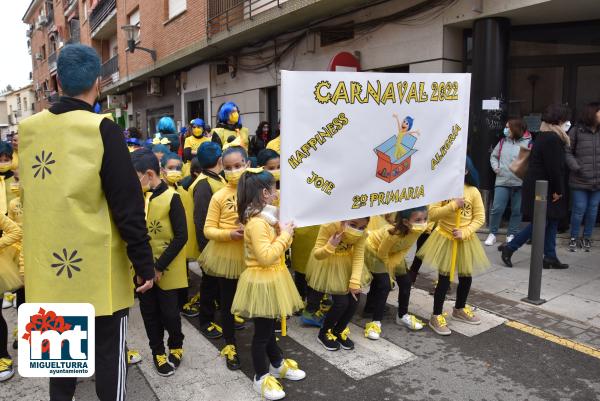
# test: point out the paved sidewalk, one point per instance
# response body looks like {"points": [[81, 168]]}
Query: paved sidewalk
{"points": [[572, 309]]}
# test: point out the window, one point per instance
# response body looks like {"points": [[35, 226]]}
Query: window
{"points": [[176, 7], [43, 51], [25, 104], [331, 36], [134, 19], [222, 69]]}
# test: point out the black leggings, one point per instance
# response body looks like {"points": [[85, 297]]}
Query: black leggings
{"points": [[209, 293], [227, 289], [462, 292], [313, 300], [378, 294], [404, 285], [3, 337], [265, 342], [417, 262], [340, 314], [301, 286]]}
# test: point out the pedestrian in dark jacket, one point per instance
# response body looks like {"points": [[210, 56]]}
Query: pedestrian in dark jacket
{"points": [[583, 159], [546, 162]]}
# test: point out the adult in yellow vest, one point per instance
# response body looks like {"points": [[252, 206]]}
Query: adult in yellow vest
{"points": [[200, 193], [229, 126], [84, 224]]}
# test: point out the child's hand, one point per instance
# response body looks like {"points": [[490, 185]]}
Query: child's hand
{"points": [[157, 275], [395, 115], [460, 202], [355, 292], [287, 227], [238, 234], [143, 286], [335, 239], [457, 233]]}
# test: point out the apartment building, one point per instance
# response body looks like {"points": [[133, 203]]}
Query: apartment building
{"points": [[20, 104]]}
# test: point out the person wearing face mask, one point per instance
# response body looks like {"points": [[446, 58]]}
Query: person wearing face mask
{"points": [[583, 159], [508, 185], [385, 258], [6, 176], [271, 161], [470, 256], [171, 170], [73, 155], [167, 134], [223, 256], [165, 219], [198, 136], [546, 162], [265, 289], [336, 267], [259, 140], [200, 193], [229, 126]]}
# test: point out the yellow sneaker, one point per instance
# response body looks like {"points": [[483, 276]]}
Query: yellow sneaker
{"points": [[6, 369], [175, 357], [133, 357], [465, 315], [373, 330], [439, 325]]}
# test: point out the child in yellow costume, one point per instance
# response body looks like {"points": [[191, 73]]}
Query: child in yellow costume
{"points": [[404, 129], [336, 267], [265, 289], [6, 176], [199, 135], [385, 258], [229, 127], [470, 256], [165, 219], [10, 279], [223, 257], [271, 162]]}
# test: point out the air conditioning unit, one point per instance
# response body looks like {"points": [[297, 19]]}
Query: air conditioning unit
{"points": [[37, 87], [154, 86], [38, 56], [42, 20]]}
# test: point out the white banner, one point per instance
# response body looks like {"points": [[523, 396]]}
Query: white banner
{"points": [[362, 144]]}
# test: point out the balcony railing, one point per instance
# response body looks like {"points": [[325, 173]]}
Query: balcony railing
{"points": [[52, 61], [68, 4], [223, 14], [100, 12], [110, 67]]}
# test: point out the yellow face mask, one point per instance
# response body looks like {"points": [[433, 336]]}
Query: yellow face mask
{"points": [[233, 176], [234, 117], [418, 227], [5, 166], [352, 235], [276, 174], [173, 176], [197, 132]]}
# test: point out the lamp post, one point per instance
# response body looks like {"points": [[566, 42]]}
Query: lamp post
{"points": [[132, 31]]}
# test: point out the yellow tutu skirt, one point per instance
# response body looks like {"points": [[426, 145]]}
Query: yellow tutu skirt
{"points": [[332, 274], [470, 256], [10, 279], [376, 265], [267, 292], [223, 259], [304, 242]]}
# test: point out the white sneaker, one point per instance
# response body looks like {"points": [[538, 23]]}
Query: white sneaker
{"points": [[9, 300], [409, 321], [269, 388], [490, 240], [509, 238], [288, 370], [6, 369], [373, 330]]}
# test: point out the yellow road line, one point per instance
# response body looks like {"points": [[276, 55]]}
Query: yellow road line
{"points": [[591, 351]]}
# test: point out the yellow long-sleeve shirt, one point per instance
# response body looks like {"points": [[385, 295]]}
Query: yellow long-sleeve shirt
{"points": [[472, 214], [275, 144], [222, 216], [264, 248], [323, 249], [391, 248], [11, 232], [194, 143]]}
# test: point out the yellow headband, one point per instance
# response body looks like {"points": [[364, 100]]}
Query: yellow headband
{"points": [[161, 141], [255, 170]]}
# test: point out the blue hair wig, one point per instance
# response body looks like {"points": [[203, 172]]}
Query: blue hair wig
{"points": [[160, 149], [78, 67], [208, 154], [144, 160], [169, 156], [472, 176], [410, 122], [225, 111], [198, 122], [183, 131], [6, 149], [166, 125]]}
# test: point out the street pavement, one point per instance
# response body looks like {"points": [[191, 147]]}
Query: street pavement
{"points": [[499, 360]]}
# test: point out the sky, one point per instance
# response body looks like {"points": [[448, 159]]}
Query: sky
{"points": [[15, 61]]}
